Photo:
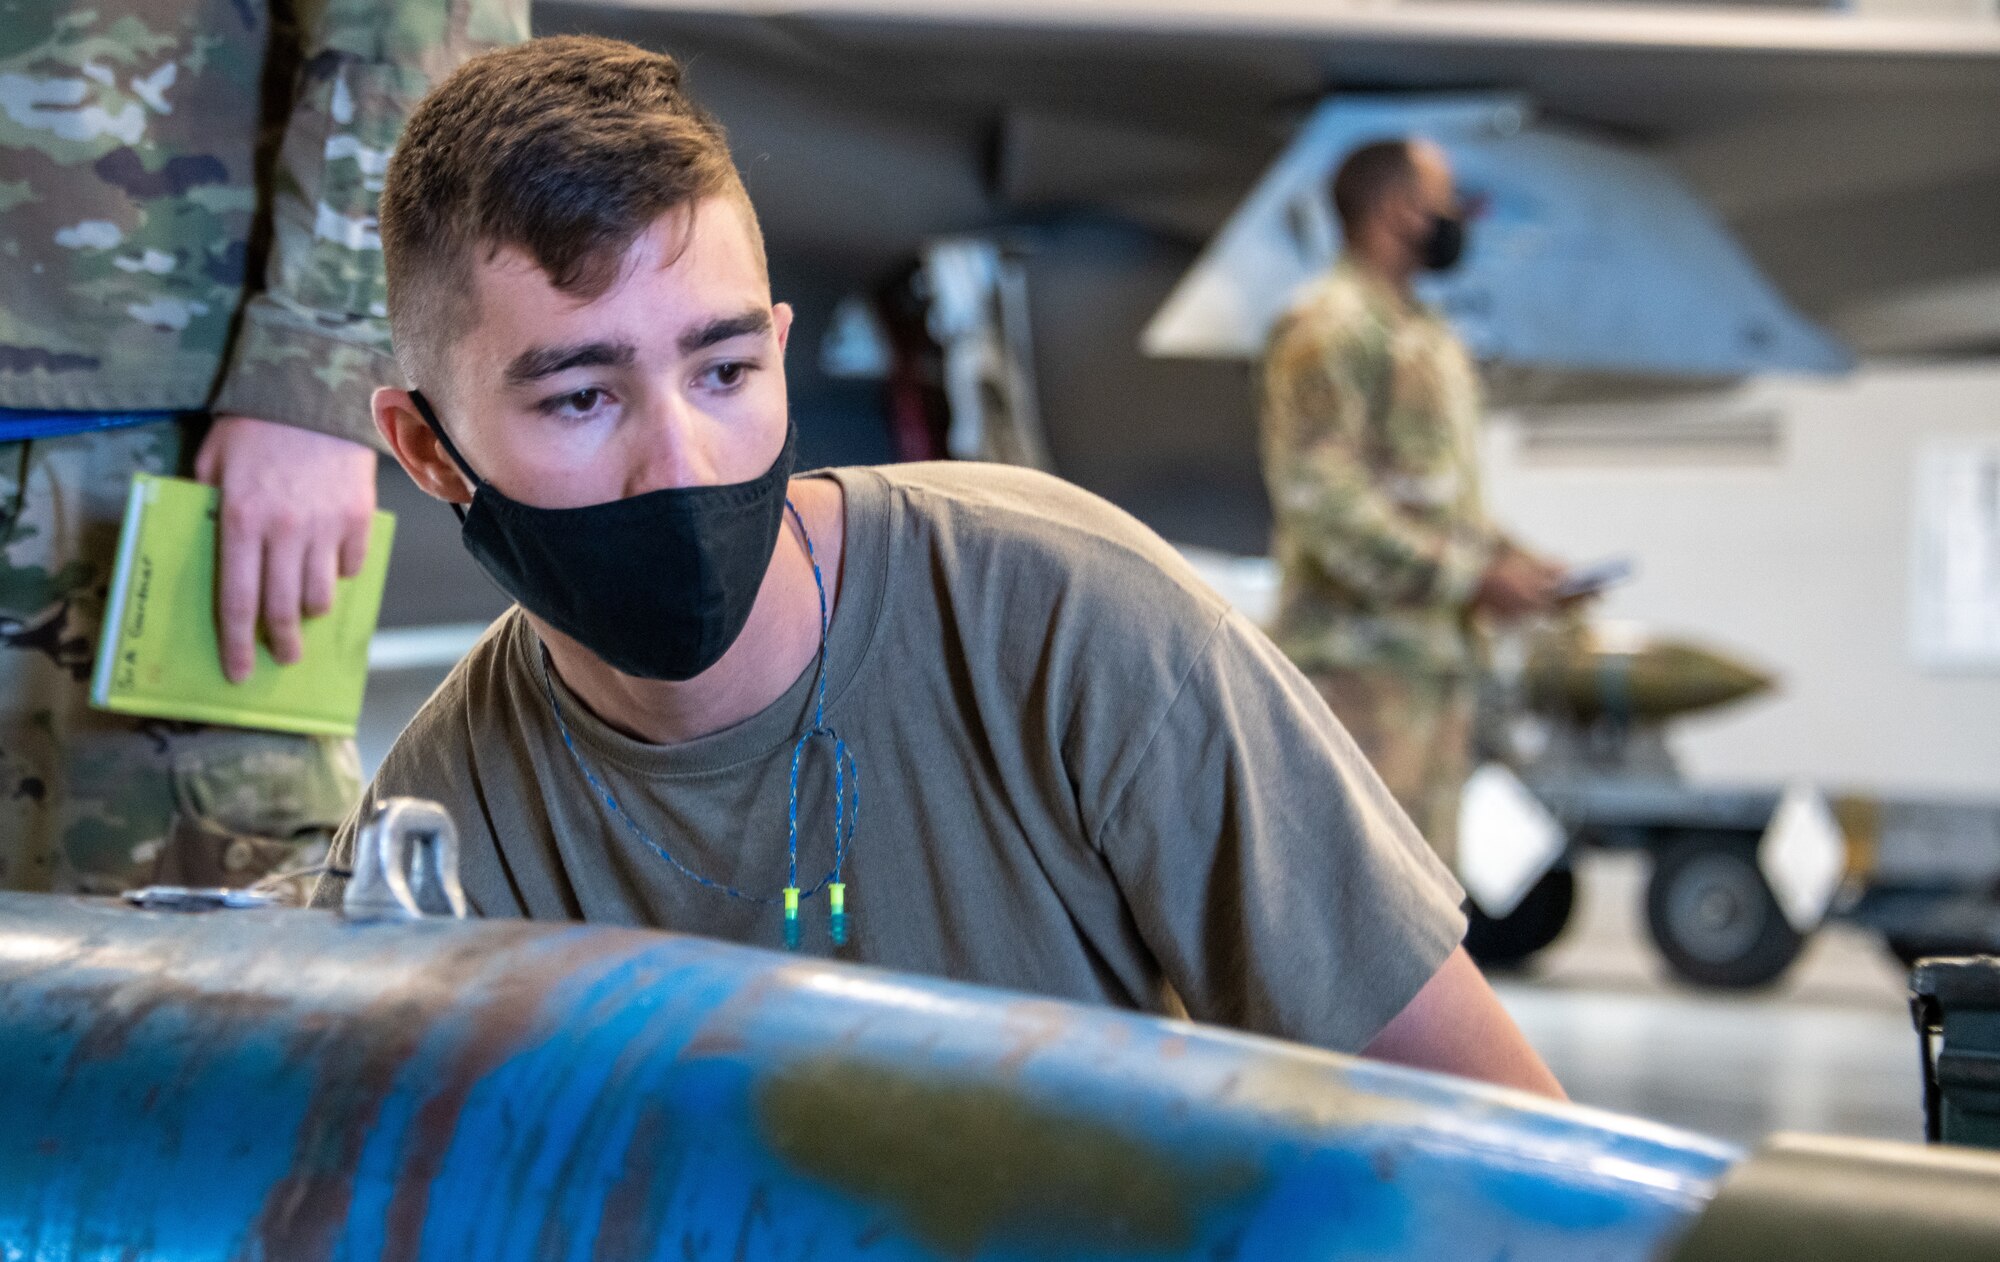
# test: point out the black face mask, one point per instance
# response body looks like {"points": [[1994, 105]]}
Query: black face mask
{"points": [[1444, 244], [659, 585]]}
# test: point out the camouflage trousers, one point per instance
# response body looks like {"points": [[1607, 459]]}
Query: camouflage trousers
{"points": [[93, 802], [1417, 732]]}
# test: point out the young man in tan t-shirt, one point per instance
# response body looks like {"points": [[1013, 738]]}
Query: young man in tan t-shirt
{"points": [[1078, 772]]}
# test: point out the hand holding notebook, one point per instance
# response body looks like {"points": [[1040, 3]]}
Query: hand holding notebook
{"points": [[159, 655]]}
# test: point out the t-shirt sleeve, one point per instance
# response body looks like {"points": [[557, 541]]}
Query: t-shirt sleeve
{"points": [[1279, 885], [331, 887]]}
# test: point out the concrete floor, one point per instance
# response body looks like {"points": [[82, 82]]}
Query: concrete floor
{"points": [[1829, 1049]]}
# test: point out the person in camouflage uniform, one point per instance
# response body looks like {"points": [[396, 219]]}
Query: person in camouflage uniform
{"points": [[1387, 558], [190, 282]]}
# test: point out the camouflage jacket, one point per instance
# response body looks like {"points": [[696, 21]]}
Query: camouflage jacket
{"points": [[188, 191], [1370, 450]]}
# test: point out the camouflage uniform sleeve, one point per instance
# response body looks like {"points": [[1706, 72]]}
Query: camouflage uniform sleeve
{"points": [[1318, 382], [314, 341]]}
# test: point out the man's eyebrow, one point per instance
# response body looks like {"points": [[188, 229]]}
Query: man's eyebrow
{"points": [[538, 362], [723, 328]]}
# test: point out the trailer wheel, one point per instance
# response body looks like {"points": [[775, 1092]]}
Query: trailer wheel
{"points": [[1536, 921], [1714, 918]]}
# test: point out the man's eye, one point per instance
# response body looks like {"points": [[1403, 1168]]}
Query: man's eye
{"points": [[575, 403], [732, 374]]}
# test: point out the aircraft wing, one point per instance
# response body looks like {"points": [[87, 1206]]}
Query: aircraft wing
{"points": [[1852, 156], [1585, 255]]}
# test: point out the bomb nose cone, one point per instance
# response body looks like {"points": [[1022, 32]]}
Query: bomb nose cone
{"points": [[1618, 671]]}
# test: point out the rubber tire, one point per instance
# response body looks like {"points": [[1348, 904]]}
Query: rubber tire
{"points": [[1536, 922], [1702, 869]]}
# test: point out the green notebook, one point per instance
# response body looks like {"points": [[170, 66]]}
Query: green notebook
{"points": [[159, 655]]}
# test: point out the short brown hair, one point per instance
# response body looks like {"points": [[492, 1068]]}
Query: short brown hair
{"points": [[566, 148], [1366, 174]]}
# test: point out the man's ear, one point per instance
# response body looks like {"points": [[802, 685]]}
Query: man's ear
{"points": [[781, 322], [416, 448]]}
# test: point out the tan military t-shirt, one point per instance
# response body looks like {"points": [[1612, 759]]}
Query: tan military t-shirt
{"points": [[1082, 775]]}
